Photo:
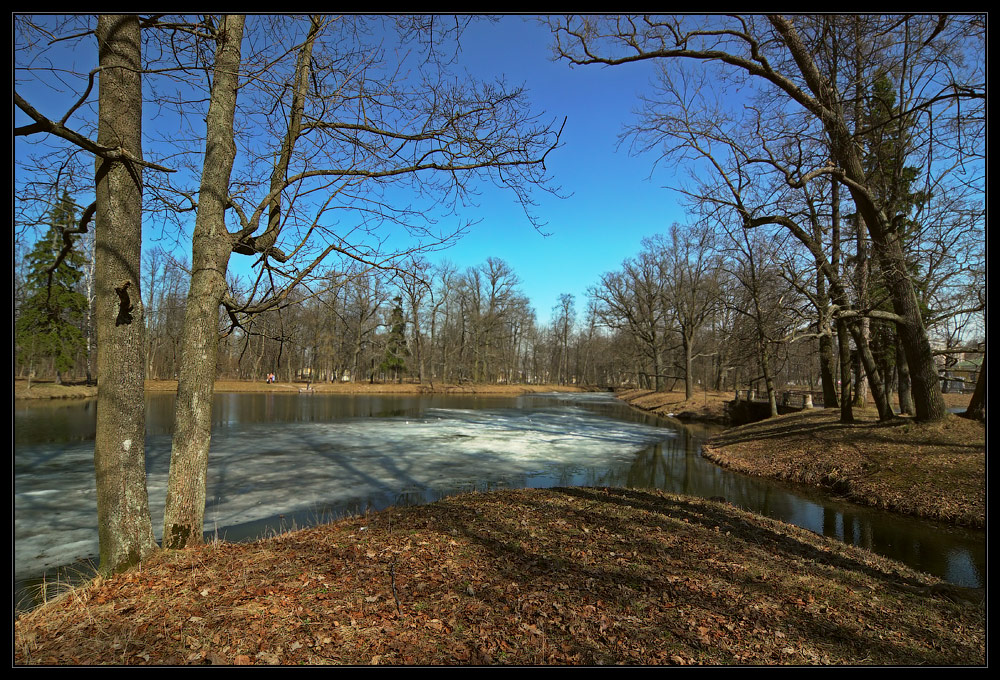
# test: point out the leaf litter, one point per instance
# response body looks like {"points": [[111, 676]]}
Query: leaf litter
{"points": [[565, 576]]}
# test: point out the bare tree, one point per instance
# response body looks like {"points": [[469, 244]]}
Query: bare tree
{"points": [[631, 300], [783, 55], [688, 266], [350, 132], [562, 323], [415, 287]]}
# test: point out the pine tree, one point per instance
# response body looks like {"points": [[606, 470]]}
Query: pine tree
{"points": [[887, 143], [50, 320], [396, 350]]}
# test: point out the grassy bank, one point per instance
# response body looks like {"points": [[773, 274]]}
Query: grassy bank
{"points": [[47, 389], [935, 470], [704, 406], [558, 576]]}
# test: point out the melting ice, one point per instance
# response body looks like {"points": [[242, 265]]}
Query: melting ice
{"points": [[259, 471]]}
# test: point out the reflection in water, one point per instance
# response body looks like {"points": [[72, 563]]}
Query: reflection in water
{"points": [[676, 466], [342, 453]]}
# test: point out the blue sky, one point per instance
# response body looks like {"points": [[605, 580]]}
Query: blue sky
{"points": [[614, 200], [612, 203]]}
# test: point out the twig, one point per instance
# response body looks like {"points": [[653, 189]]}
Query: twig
{"points": [[392, 578]]}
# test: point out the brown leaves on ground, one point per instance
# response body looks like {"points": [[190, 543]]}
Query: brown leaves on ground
{"points": [[933, 470], [558, 576]]}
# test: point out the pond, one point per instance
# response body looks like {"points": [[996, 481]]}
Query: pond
{"points": [[285, 460]]}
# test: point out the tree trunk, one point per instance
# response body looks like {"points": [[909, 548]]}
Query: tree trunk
{"points": [[903, 381], [843, 344], [875, 382], [183, 519], [688, 376], [88, 317], [926, 387], [826, 371], [977, 405], [765, 367], [860, 393], [124, 526]]}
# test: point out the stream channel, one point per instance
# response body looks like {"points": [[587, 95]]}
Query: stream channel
{"points": [[280, 461]]}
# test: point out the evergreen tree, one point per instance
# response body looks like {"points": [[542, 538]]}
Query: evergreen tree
{"points": [[50, 320], [396, 350], [887, 144]]}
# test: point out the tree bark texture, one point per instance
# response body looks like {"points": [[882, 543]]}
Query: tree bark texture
{"points": [[184, 514], [903, 381], [977, 405], [844, 349], [124, 525]]}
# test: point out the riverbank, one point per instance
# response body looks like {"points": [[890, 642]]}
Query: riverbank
{"points": [[936, 470], [536, 576], [369, 388], [704, 406], [49, 390]]}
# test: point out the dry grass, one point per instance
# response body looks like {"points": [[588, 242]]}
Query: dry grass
{"points": [[935, 470], [704, 406], [710, 405], [557, 576], [47, 389]]}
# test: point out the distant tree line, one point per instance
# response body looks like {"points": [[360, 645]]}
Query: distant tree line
{"points": [[696, 308]]}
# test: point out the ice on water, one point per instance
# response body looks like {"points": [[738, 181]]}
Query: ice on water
{"points": [[257, 471]]}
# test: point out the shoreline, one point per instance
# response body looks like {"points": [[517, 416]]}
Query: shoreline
{"points": [[902, 466], [935, 471], [48, 391]]}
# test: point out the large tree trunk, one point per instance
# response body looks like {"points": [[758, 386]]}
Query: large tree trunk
{"points": [[844, 347], [184, 515], [925, 386], [183, 519], [903, 381], [977, 405], [124, 526], [826, 371]]}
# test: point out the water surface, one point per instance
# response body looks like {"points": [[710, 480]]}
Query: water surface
{"points": [[282, 460]]}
